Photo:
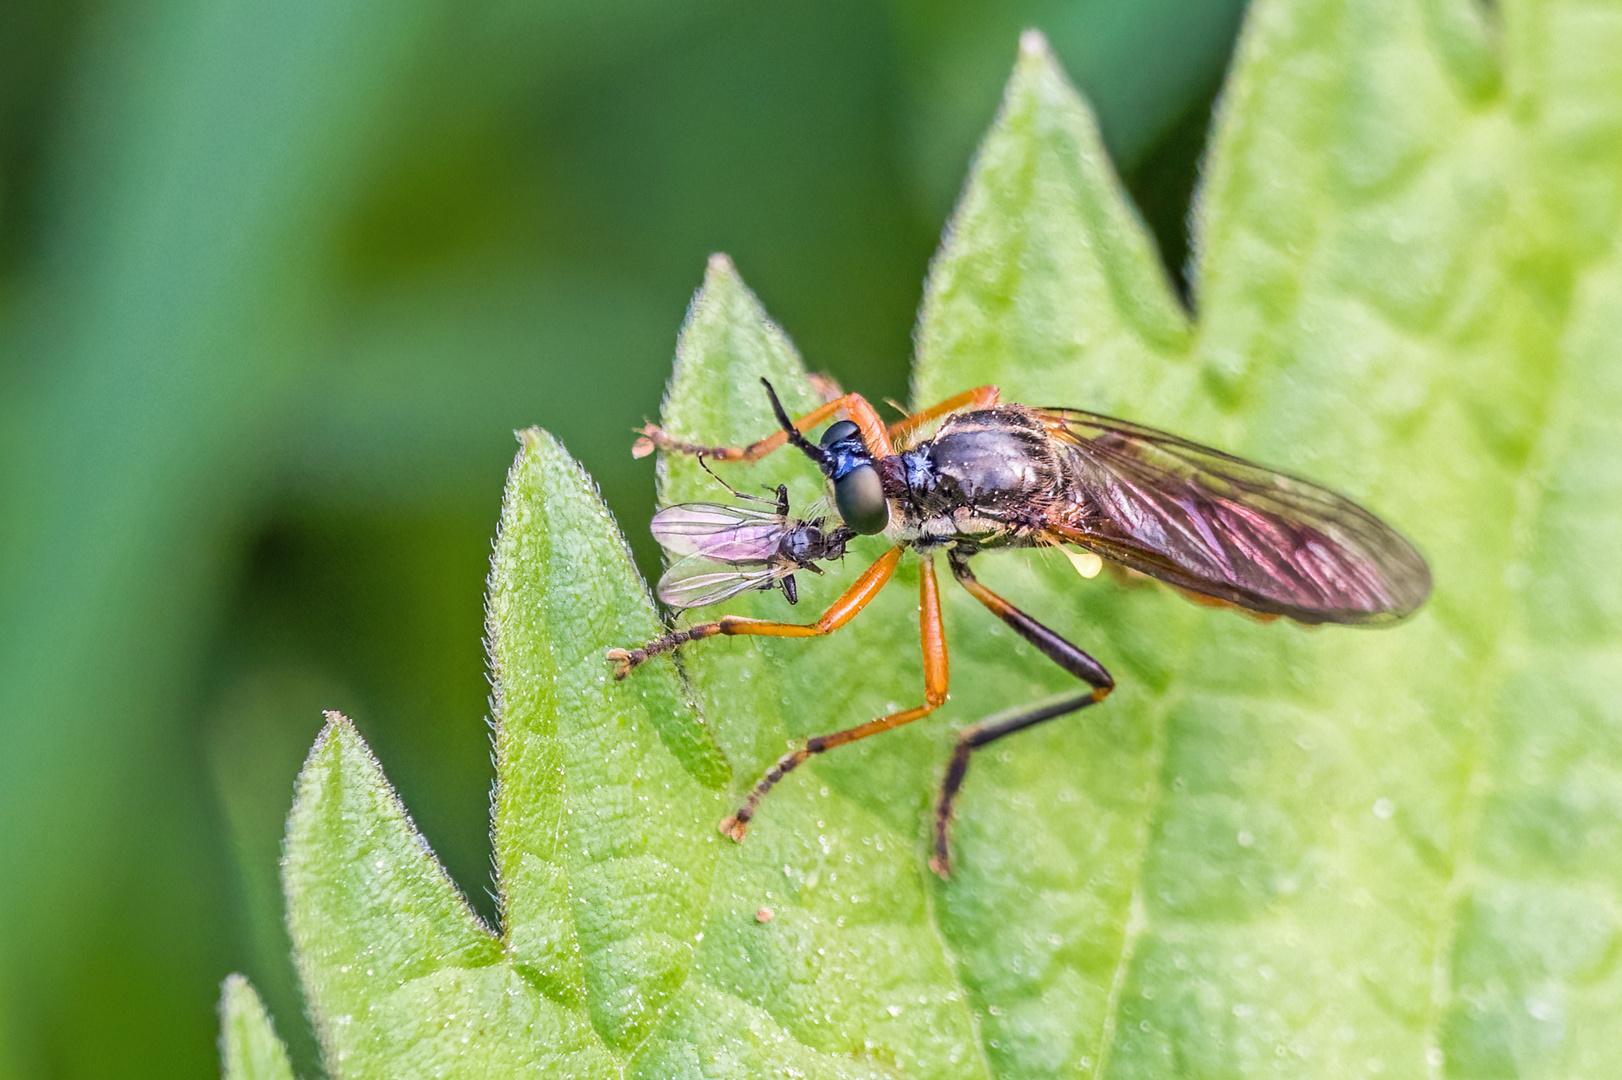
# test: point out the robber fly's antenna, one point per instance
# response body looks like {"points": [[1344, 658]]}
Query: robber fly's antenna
{"points": [[796, 440]]}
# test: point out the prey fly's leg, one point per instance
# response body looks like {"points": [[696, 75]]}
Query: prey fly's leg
{"points": [[781, 502], [1055, 648], [932, 637], [839, 613]]}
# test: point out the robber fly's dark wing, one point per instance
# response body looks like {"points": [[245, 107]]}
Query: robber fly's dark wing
{"points": [[1223, 527], [719, 532], [697, 581]]}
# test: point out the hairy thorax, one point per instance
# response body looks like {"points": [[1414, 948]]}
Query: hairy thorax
{"points": [[986, 479]]}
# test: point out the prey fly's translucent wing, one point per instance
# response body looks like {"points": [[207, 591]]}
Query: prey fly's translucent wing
{"points": [[698, 580], [725, 549], [719, 532], [1226, 528]]}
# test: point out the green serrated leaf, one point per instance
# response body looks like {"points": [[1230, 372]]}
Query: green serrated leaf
{"points": [[1047, 273], [1386, 297], [629, 945], [1267, 847], [249, 1048], [402, 979], [606, 791], [1328, 854]]}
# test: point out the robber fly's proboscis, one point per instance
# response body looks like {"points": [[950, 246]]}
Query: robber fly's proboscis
{"points": [[1000, 475]]}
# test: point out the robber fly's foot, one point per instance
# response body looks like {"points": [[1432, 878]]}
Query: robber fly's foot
{"points": [[626, 660], [738, 824], [941, 861], [653, 437], [735, 826]]}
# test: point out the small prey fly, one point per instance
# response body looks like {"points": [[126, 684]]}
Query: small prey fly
{"points": [[723, 550], [1220, 529]]}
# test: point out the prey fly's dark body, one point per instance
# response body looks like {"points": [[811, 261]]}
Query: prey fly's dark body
{"points": [[723, 550]]}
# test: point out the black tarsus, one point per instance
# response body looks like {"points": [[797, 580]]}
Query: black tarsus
{"points": [[972, 739], [1052, 645]]}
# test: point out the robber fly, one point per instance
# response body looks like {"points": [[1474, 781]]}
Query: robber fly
{"points": [[724, 550], [1000, 475]]}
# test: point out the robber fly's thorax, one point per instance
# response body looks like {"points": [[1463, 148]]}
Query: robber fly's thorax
{"points": [[985, 478]]}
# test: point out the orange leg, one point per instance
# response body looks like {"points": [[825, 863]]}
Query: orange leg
{"points": [[854, 405], [979, 398], [933, 639], [839, 613]]}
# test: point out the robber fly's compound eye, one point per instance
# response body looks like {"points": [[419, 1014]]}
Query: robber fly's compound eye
{"points": [[859, 495], [839, 432]]}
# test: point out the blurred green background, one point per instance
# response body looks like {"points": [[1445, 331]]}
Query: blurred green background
{"points": [[277, 282]]}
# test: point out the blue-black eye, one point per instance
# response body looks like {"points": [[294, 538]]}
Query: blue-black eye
{"points": [[859, 495], [839, 432]]}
